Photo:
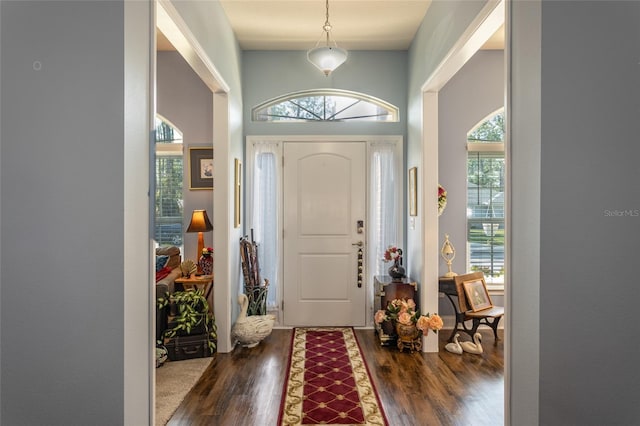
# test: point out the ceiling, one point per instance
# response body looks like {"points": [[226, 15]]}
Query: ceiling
{"points": [[297, 24]]}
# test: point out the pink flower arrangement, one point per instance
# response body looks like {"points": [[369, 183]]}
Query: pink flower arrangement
{"points": [[405, 312], [207, 251], [391, 254], [442, 199]]}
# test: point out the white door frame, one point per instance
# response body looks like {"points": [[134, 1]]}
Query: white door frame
{"points": [[164, 16], [486, 23], [173, 26], [369, 139]]}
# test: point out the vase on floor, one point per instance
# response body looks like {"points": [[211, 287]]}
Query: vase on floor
{"points": [[408, 337]]}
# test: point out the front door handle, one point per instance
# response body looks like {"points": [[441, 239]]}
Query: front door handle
{"points": [[360, 267]]}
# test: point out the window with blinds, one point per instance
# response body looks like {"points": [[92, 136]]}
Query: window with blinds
{"points": [[486, 198], [169, 171]]}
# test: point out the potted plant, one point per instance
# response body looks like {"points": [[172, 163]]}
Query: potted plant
{"points": [[191, 313], [408, 322]]}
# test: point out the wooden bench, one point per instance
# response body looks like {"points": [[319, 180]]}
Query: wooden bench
{"points": [[490, 316]]}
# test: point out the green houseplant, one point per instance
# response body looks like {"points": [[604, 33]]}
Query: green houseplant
{"points": [[192, 311]]}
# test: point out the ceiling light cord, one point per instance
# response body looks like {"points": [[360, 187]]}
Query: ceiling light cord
{"points": [[327, 24]]}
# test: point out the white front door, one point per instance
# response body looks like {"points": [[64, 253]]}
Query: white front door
{"points": [[324, 198]]}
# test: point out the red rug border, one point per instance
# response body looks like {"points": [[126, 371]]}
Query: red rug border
{"points": [[366, 366]]}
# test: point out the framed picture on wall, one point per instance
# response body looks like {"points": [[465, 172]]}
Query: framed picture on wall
{"points": [[477, 295], [201, 168], [413, 191], [237, 193]]}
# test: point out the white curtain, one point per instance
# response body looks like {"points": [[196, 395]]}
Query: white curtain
{"points": [[266, 182], [384, 206]]}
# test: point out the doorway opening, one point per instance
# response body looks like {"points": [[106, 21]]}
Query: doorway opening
{"points": [[487, 23]]}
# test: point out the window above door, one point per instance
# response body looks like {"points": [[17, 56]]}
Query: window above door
{"points": [[325, 105]]}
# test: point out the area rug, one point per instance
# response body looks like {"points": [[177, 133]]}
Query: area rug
{"points": [[328, 381], [174, 380]]}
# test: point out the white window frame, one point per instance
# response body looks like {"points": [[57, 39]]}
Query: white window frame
{"points": [[393, 111], [169, 149], [495, 287]]}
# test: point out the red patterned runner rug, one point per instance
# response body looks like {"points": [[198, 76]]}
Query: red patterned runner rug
{"points": [[328, 381]]}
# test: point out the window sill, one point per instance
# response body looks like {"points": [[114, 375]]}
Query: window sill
{"points": [[496, 289]]}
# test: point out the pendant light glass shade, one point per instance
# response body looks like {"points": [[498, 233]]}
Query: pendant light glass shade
{"points": [[327, 58]]}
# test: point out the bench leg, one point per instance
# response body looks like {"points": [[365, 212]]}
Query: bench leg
{"points": [[453, 333], [494, 325], [456, 328]]}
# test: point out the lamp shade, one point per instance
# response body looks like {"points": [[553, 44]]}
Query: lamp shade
{"points": [[199, 222], [327, 58]]}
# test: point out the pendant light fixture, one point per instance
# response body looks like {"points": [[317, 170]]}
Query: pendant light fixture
{"points": [[327, 58]]}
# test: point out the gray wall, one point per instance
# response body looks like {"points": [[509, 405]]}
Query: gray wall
{"points": [[75, 296], [590, 213], [575, 124], [476, 91], [266, 75], [62, 239], [184, 100]]}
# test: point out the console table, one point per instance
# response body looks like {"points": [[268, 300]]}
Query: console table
{"points": [[387, 289]]}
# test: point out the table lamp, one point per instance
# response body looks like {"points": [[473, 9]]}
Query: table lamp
{"points": [[199, 223], [448, 254]]}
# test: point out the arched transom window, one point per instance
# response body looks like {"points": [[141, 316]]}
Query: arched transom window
{"points": [[325, 105]]}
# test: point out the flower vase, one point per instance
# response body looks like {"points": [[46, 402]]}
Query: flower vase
{"points": [[396, 271], [206, 264], [408, 337]]}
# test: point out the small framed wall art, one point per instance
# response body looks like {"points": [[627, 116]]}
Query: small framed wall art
{"points": [[413, 191], [237, 193], [201, 168]]}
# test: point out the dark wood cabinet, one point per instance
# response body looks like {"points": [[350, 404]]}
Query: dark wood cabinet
{"points": [[387, 289]]}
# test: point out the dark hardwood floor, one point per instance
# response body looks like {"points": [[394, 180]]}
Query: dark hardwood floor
{"points": [[244, 387]]}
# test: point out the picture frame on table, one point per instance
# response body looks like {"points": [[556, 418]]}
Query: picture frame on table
{"points": [[477, 294], [200, 168]]}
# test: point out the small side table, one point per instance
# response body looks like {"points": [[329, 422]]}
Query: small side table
{"points": [[198, 281], [387, 289]]}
